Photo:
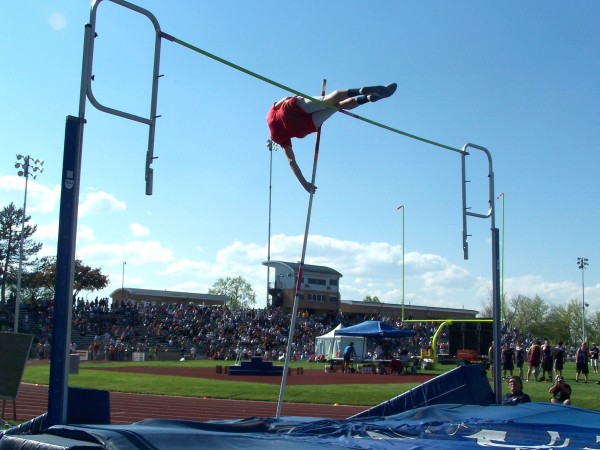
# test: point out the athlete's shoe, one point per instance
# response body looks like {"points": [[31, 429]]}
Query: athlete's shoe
{"points": [[380, 91]]}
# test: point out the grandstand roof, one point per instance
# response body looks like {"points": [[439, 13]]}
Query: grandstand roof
{"points": [[154, 295], [307, 267], [412, 307]]}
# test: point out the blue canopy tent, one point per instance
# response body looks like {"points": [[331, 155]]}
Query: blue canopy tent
{"points": [[374, 329]]}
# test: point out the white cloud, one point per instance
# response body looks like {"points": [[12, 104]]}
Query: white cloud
{"points": [[551, 292], [57, 21], [371, 268], [138, 253], [368, 268], [100, 203], [200, 269], [85, 233], [47, 232], [39, 197], [138, 230]]}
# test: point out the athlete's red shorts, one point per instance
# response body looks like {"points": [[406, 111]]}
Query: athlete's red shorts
{"points": [[288, 120]]}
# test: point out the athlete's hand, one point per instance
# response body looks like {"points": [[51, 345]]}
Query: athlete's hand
{"points": [[310, 187]]}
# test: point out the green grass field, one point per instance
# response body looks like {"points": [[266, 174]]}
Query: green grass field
{"points": [[584, 395]]}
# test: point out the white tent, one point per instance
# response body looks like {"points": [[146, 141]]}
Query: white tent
{"points": [[332, 346]]}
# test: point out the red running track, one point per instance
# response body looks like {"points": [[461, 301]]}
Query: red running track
{"points": [[32, 401]]}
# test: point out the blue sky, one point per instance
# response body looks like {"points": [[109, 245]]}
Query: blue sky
{"points": [[520, 79]]}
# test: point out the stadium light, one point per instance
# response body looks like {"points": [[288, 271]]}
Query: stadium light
{"points": [[582, 264], [123, 281], [402, 208], [28, 165], [272, 146]]}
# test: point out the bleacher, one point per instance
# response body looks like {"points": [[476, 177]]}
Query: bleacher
{"points": [[215, 332]]}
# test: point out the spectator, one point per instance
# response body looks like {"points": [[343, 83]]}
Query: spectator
{"points": [[534, 357], [561, 392], [349, 353], [508, 357], [581, 362], [559, 358], [547, 361], [594, 352], [378, 353], [515, 394], [40, 350], [520, 358], [491, 358]]}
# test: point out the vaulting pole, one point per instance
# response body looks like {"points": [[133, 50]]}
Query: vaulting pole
{"points": [[298, 294]]}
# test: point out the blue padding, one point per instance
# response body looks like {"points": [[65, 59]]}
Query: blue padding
{"points": [[90, 406], [444, 426], [465, 385]]}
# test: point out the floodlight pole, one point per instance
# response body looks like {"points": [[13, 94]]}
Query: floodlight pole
{"points": [[28, 165], [582, 263], [123, 281], [491, 213], [402, 208], [272, 146]]}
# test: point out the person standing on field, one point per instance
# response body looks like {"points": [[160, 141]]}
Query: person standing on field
{"points": [[534, 358], [581, 362]]}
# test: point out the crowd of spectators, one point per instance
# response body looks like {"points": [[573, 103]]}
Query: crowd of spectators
{"points": [[114, 332]]}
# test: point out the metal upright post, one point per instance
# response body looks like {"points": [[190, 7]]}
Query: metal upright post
{"points": [[65, 255], [65, 259], [491, 214], [502, 299]]}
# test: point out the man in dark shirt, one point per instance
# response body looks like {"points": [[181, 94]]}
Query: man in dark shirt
{"points": [[516, 394]]}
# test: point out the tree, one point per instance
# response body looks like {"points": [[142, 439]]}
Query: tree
{"points": [[85, 278], [369, 299], [593, 325], [487, 308], [237, 289], [530, 314], [556, 322], [11, 220], [559, 327]]}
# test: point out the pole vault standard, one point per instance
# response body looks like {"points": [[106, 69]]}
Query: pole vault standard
{"points": [[69, 198], [491, 214], [298, 293]]}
